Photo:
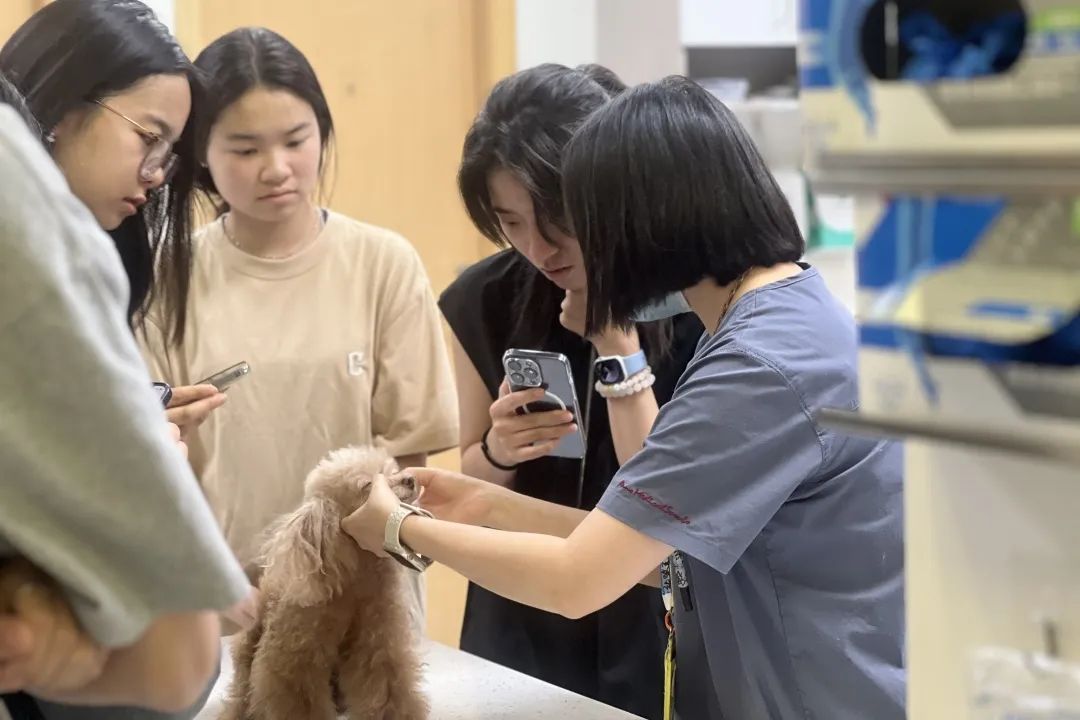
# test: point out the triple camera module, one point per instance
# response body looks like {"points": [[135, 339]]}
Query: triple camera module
{"points": [[524, 373]]}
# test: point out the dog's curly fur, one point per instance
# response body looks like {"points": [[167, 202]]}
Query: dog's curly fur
{"points": [[329, 613]]}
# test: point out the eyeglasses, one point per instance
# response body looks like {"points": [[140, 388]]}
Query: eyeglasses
{"points": [[159, 156]]}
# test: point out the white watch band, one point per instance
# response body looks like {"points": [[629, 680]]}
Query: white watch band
{"points": [[392, 538]]}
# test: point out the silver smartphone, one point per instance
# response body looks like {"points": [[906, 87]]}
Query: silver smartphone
{"points": [[529, 369], [224, 378], [164, 393]]}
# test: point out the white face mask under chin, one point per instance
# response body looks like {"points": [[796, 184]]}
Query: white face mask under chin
{"points": [[668, 306]]}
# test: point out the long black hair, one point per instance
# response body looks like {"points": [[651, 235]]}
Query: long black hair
{"points": [[245, 59], [73, 52], [665, 188], [524, 127]]}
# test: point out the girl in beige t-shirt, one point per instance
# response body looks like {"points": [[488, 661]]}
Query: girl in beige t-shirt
{"points": [[335, 317]]}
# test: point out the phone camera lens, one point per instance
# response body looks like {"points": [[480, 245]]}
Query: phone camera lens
{"points": [[517, 378], [514, 366], [531, 371]]}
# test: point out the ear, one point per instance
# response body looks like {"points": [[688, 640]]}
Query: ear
{"points": [[299, 557], [390, 467], [71, 123]]}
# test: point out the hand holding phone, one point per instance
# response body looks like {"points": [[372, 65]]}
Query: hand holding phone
{"points": [[517, 436], [192, 404], [545, 417]]}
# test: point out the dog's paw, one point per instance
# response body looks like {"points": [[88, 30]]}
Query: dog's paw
{"points": [[404, 486]]}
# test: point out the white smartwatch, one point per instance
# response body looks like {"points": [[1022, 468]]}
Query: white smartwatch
{"points": [[615, 369], [392, 538]]}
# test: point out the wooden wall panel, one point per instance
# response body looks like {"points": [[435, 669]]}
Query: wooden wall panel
{"points": [[14, 13]]}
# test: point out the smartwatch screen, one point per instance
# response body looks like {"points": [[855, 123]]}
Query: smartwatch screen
{"points": [[609, 371]]}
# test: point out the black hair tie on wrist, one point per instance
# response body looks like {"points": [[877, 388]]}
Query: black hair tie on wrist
{"points": [[487, 454]]}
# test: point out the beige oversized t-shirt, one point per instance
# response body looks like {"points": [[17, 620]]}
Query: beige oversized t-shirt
{"points": [[345, 346]]}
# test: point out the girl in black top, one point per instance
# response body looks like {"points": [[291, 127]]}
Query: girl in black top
{"points": [[533, 296]]}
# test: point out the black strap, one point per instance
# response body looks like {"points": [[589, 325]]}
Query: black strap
{"points": [[487, 454], [21, 706], [586, 424]]}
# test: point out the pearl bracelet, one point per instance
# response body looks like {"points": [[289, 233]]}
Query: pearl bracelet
{"points": [[638, 382]]}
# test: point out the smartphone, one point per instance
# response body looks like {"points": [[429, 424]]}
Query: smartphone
{"points": [[529, 369], [227, 377], [164, 393]]}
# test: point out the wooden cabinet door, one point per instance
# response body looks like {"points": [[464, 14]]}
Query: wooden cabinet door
{"points": [[14, 13]]}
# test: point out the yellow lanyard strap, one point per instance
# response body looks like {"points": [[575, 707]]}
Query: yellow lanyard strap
{"points": [[666, 592], [669, 671]]}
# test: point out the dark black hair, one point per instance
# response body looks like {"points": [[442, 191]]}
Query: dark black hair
{"points": [[527, 120], [524, 127], [73, 52], [10, 95], [665, 188], [604, 77], [245, 59]]}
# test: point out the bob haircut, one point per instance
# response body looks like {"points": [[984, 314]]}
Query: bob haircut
{"points": [[664, 188]]}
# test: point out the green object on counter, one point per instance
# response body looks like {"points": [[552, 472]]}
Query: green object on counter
{"points": [[1065, 18], [824, 236], [832, 221]]}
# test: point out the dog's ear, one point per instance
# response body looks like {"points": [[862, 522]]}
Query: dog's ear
{"points": [[300, 555], [389, 467]]}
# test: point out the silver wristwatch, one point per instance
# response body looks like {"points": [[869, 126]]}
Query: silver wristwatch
{"points": [[392, 538]]}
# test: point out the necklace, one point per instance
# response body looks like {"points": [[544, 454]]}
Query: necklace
{"points": [[731, 298], [319, 223]]}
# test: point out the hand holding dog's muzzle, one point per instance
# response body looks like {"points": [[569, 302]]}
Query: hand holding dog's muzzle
{"points": [[367, 525]]}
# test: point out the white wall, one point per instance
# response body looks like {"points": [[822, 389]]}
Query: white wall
{"points": [[739, 23], [165, 10], [638, 39], [558, 31]]}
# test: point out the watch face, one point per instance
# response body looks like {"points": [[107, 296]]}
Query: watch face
{"points": [[609, 372]]}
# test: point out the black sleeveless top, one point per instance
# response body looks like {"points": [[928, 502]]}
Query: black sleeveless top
{"points": [[614, 655]]}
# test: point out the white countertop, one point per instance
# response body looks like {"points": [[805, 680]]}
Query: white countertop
{"points": [[464, 687]]}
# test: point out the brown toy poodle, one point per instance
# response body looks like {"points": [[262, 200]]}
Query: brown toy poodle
{"points": [[333, 632]]}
